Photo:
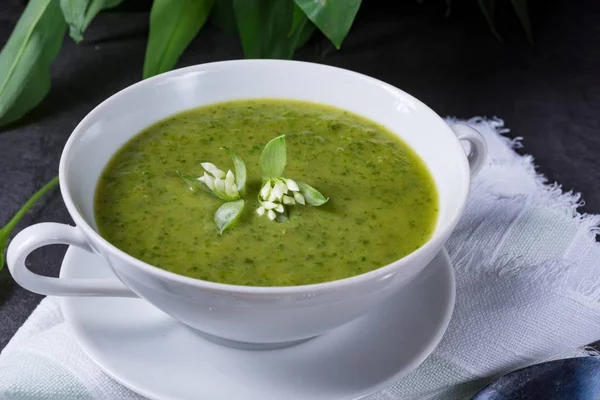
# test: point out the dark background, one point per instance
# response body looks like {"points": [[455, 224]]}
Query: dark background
{"points": [[549, 93]]}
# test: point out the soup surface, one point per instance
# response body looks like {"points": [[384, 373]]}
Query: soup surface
{"points": [[382, 200]]}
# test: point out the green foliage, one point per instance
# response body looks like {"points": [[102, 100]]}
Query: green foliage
{"points": [[25, 59], [333, 18], [488, 8], [80, 13], [173, 25], [520, 7], [222, 16], [266, 28], [10, 226]]}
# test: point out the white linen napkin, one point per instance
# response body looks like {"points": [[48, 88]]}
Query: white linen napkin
{"points": [[528, 289]]}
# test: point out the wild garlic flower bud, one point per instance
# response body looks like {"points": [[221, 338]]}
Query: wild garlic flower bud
{"points": [[220, 183], [275, 194]]}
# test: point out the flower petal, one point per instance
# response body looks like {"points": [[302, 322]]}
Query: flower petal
{"points": [[260, 210], [231, 190], [268, 205], [208, 181], [276, 192], [219, 186], [279, 208], [230, 178], [288, 200], [240, 171], [266, 190], [299, 198], [271, 214], [209, 166], [218, 173], [282, 187], [292, 185]]}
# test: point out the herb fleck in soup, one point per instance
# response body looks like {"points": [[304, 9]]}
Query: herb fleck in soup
{"points": [[382, 199]]}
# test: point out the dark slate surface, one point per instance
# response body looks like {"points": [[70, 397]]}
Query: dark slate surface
{"points": [[549, 94]]}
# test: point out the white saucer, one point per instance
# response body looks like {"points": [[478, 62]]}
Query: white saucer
{"points": [[152, 354]]}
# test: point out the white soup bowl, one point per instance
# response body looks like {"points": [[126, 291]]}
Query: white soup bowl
{"points": [[255, 315]]}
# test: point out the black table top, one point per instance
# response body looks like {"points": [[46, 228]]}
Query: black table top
{"points": [[549, 94]]}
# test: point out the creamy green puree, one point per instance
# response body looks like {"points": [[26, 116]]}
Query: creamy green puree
{"points": [[382, 200]]}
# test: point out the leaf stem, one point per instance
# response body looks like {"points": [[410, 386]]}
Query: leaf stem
{"points": [[21, 213]]}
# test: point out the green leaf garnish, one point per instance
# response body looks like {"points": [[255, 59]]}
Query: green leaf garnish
{"points": [[273, 158], [312, 195], [240, 171], [228, 214], [10, 226]]}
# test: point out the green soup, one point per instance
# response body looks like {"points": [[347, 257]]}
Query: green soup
{"points": [[382, 199]]}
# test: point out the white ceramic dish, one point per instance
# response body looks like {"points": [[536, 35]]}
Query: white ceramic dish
{"points": [[152, 354], [258, 315]]}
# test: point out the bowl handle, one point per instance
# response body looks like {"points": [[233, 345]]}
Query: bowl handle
{"points": [[478, 150], [39, 235]]}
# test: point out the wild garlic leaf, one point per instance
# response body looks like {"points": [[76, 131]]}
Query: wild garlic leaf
{"points": [[228, 214], [80, 13], [297, 18], [312, 195], [488, 8], [10, 226], [333, 17], [240, 171], [173, 25], [273, 158], [264, 27], [223, 17], [302, 28], [520, 7], [26, 57], [195, 183]]}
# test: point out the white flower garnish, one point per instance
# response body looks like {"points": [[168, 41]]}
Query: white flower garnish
{"points": [[273, 196], [278, 192], [224, 189], [210, 167], [226, 186]]}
